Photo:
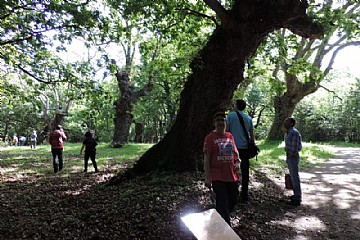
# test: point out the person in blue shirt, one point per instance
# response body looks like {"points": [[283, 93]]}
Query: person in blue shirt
{"points": [[234, 126], [292, 147]]}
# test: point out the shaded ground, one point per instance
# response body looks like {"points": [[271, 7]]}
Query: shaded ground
{"points": [[79, 206]]}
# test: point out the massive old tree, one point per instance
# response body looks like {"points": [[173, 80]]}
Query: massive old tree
{"points": [[217, 71], [301, 64]]}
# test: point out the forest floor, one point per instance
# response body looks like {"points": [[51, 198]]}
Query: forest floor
{"points": [[82, 206]]}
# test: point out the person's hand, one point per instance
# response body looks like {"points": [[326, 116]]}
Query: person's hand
{"points": [[237, 166], [208, 183]]}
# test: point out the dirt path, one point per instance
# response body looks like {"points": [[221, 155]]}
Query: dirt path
{"points": [[331, 199]]}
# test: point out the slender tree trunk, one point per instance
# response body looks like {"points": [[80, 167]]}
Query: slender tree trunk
{"points": [[216, 73], [139, 130], [6, 128]]}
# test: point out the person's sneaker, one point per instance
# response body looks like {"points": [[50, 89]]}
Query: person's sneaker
{"points": [[293, 202]]}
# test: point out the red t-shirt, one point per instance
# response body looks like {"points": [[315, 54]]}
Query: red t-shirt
{"points": [[56, 139], [221, 149]]}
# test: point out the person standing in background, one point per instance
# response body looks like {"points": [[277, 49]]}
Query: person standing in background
{"points": [[15, 140], [33, 139], [56, 140], [292, 147], [90, 151], [241, 139]]}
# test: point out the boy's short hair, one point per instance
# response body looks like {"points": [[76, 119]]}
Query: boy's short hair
{"points": [[220, 113]]}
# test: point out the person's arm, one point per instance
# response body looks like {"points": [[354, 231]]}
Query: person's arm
{"points": [[300, 143], [82, 148], [63, 134], [207, 170], [237, 159]]}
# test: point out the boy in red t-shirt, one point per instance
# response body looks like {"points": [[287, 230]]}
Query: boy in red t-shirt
{"points": [[221, 165]]}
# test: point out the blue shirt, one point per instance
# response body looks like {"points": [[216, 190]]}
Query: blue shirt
{"points": [[237, 130], [293, 142]]}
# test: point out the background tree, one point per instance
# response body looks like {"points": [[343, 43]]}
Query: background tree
{"points": [[32, 36], [143, 26], [157, 111], [301, 64], [18, 113]]}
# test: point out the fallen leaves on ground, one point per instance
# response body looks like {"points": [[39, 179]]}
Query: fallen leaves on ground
{"points": [[82, 206]]}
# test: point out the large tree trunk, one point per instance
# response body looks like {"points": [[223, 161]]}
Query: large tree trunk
{"points": [[216, 73], [122, 122], [124, 107], [285, 105]]}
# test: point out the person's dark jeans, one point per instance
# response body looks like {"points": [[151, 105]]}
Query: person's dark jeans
{"points": [[245, 173], [90, 154], [59, 153], [226, 197]]}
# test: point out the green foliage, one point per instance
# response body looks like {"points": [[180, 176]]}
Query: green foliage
{"points": [[331, 116], [29, 29]]}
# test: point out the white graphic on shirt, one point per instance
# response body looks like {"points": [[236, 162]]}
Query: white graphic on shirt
{"points": [[226, 151]]}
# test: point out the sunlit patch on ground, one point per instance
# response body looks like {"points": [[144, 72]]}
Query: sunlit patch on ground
{"points": [[302, 224], [209, 225], [355, 215]]}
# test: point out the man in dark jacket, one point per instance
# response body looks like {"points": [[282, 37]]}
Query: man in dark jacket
{"points": [[90, 151]]}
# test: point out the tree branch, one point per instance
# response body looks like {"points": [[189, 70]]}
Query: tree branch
{"points": [[335, 95], [32, 75], [195, 13], [34, 33], [336, 51], [219, 10]]}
